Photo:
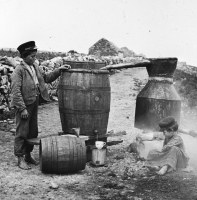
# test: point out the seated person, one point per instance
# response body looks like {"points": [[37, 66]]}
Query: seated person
{"points": [[172, 156]]}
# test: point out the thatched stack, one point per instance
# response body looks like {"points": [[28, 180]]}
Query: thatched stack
{"points": [[104, 48]]}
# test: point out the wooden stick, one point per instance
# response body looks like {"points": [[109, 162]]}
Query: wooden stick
{"points": [[185, 131], [133, 64], [36, 141], [115, 134]]}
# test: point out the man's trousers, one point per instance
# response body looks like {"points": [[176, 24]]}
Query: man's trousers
{"points": [[26, 129]]}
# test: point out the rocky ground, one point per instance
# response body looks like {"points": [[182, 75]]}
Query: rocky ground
{"points": [[123, 176]]}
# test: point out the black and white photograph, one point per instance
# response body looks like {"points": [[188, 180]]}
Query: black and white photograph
{"points": [[98, 100]]}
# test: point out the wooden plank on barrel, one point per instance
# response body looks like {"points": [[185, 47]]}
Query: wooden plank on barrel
{"points": [[79, 153], [82, 146], [80, 149], [56, 152], [45, 155], [68, 154], [42, 161], [74, 154], [49, 155], [63, 155], [68, 151], [34, 141], [83, 155], [40, 155], [54, 155]]}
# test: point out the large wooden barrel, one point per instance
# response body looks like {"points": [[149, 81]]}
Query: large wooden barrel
{"points": [[85, 65], [84, 101], [62, 154]]}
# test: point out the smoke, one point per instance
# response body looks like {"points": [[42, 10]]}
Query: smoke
{"points": [[191, 149], [189, 141], [188, 122]]}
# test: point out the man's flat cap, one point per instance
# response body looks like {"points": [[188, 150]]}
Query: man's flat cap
{"points": [[167, 122], [28, 46]]}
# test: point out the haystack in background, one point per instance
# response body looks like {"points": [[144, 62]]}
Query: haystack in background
{"points": [[105, 48]]}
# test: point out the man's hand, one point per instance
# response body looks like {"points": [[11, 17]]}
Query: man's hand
{"points": [[24, 114], [165, 148], [64, 67]]}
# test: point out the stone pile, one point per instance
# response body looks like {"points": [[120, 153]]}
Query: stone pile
{"points": [[187, 68], [7, 65]]}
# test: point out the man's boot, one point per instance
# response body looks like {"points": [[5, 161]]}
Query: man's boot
{"points": [[31, 159], [22, 164]]}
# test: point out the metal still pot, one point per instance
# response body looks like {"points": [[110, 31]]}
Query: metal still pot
{"points": [[158, 99]]}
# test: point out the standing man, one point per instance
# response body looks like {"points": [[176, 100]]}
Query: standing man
{"points": [[27, 86]]}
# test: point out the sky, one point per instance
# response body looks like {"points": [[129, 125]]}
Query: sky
{"points": [[155, 28]]}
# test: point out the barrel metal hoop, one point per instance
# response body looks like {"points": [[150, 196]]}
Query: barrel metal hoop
{"points": [[91, 71], [78, 88], [82, 112], [166, 79]]}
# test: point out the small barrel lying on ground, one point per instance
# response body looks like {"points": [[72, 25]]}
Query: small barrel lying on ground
{"points": [[62, 154]]}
